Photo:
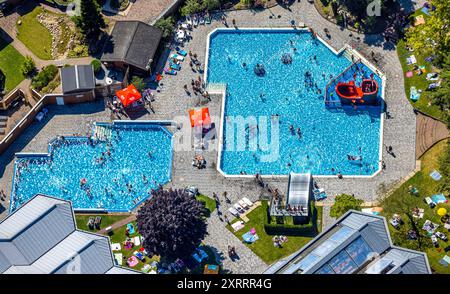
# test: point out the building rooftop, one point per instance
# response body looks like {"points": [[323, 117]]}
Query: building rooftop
{"points": [[41, 238], [357, 243], [132, 42], [78, 78]]}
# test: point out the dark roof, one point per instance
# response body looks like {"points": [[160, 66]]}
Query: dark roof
{"points": [[356, 243], [132, 42], [77, 78]]}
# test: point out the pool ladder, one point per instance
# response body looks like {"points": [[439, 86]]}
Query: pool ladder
{"points": [[103, 133]]}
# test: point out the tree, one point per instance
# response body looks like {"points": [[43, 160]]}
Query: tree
{"points": [[441, 96], [167, 25], [172, 223], [209, 5], [433, 37], [28, 66], [344, 203], [138, 82], [90, 21], [191, 7]]}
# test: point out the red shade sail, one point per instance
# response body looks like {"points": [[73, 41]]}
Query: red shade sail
{"points": [[129, 95], [199, 117]]}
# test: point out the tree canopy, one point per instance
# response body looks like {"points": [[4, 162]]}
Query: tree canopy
{"points": [[433, 37], [172, 223], [344, 203], [90, 21]]}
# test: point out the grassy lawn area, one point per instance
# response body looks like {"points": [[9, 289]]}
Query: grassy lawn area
{"points": [[34, 35], [107, 220], [264, 246], [210, 203], [402, 198], [419, 82], [10, 63]]}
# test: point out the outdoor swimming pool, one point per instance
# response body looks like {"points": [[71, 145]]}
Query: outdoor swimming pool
{"points": [[294, 94], [127, 160]]}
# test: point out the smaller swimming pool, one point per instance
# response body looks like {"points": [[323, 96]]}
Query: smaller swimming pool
{"points": [[114, 170]]}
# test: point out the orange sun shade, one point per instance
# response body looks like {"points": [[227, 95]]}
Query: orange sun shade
{"points": [[128, 95], [199, 117]]}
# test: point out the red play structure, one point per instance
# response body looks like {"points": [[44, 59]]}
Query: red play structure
{"points": [[350, 93]]}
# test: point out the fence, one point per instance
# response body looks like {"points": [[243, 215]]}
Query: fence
{"points": [[48, 99], [10, 98]]}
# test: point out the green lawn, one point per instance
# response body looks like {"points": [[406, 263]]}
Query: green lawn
{"points": [[210, 203], [10, 63], [402, 198], [34, 35], [107, 220], [419, 82], [264, 246]]}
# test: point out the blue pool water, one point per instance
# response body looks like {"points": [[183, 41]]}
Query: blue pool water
{"points": [[328, 135], [73, 159]]}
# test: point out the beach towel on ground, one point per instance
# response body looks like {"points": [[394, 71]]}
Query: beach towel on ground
{"points": [[426, 10], [132, 261], [414, 95], [435, 175], [115, 246], [130, 228], [420, 20], [250, 238], [409, 74], [439, 198], [118, 258], [446, 258], [238, 225], [411, 60]]}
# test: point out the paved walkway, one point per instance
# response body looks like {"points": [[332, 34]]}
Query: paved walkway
{"points": [[172, 103], [429, 131], [118, 224]]}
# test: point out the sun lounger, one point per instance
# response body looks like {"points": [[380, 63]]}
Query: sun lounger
{"points": [[201, 20], [195, 20], [175, 66], [90, 223], [116, 247], [243, 204], [189, 20], [238, 208], [208, 19], [233, 211], [435, 175], [247, 201]]}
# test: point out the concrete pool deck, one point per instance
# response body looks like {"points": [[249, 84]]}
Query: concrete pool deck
{"points": [[172, 102]]}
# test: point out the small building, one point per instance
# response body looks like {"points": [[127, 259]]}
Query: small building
{"points": [[134, 45], [357, 243], [78, 83], [41, 237], [297, 200]]}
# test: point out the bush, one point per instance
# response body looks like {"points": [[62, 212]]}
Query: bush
{"points": [[44, 77], [167, 25], [191, 7], [97, 65], [138, 82], [344, 203], [28, 66]]}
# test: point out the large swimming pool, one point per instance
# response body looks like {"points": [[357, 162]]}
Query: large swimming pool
{"points": [[294, 94], [113, 170]]}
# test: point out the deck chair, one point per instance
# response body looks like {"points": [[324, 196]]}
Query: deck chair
{"points": [[243, 204], [246, 200], [238, 208], [233, 211]]}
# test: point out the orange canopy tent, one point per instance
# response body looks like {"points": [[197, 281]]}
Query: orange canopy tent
{"points": [[199, 117], [129, 95]]}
